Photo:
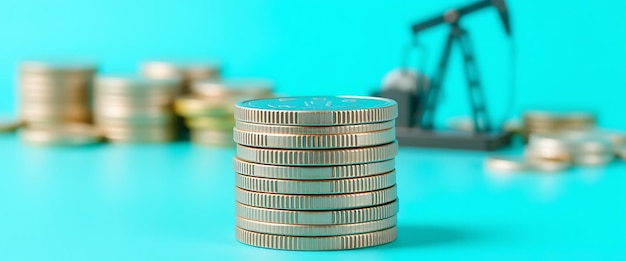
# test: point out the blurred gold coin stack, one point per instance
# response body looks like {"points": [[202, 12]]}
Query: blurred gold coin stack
{"points": [[188, 72], [315, 173], [55, 93], [550, 122], [55, 102], [130, 109], [208, 112]]}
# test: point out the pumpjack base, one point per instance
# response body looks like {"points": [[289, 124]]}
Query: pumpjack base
{"points": [[416, 137]]}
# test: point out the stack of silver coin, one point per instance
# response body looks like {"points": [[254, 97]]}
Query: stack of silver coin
{"points": [[55, 92], [315, 173], [130, 109], [557, 152], [208, 112], [556, 121], [187, 71]]}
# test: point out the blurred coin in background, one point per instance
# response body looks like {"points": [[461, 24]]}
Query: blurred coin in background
{"points": [[134, 109], [71, 134], [187, 71]]}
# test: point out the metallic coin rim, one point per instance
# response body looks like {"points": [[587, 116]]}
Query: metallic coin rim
{"points": [[314, 230], [303, 141], [318, 118], [313, 173], [336, 217], [316, 202], [308, 130], [316, 243], [501, 163], [318, 157], [316, 187]]}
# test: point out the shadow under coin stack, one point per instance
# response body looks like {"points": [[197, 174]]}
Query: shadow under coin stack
{"points": [[316, 173], [131, 109], [209, 111]]}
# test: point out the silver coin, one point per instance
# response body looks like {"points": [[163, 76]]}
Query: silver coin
{"points": [[317, 111], [546, 165], [506, 163], [134, 85], [336, 217], [313, 173], [314, 230], [560, 115], [315, 202], [164, 69], [113, 116], [594, 159], [318, 157], [153, 136], [308, 130], [300, 141], [311, 187], [590, 143], [316, 243], [212, 138]]}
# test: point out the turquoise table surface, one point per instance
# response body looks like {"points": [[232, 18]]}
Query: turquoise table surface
{"points": [[175, 202]]}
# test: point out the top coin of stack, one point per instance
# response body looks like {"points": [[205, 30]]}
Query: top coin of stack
{"points": [[55, 92], [135, 109], [209, 111], [188, 72], [315, 173], [546, 121]]}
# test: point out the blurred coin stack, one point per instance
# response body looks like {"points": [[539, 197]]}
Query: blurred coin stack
{"points": [[557, 152], [208, 112], [315, 173], [187, 71], [55, 93], [130, 109], [553, 121]]}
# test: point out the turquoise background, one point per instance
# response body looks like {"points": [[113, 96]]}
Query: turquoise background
{"points": [[175, 202], [569, 53]]}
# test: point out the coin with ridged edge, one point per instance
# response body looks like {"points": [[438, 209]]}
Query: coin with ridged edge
{"points": [[313, 187], [335, 217], [311, 130], [313, 173], [318, 157], [314, 230], [315, 202], [316, 243], [317, 110], [333, 141]]}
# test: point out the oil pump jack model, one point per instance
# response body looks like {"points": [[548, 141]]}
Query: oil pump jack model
{"points": [[417, 110]]}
